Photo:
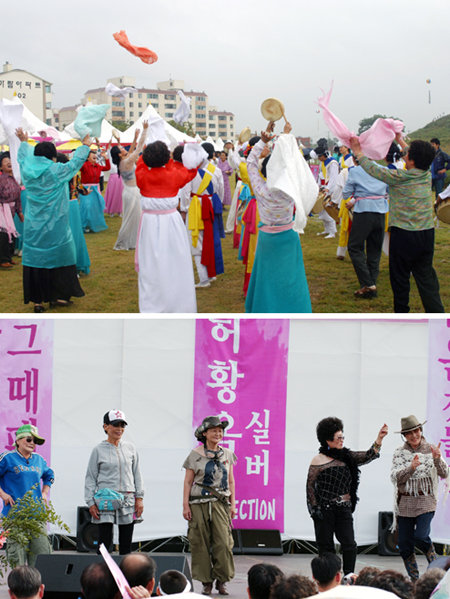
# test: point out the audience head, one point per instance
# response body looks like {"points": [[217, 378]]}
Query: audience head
{"points": [[390, 580], [421, 153], [116, 155], [24, 582], [46, 149], [209, 149], [260, 579], [326, 570], [156, 154], [435, 142], [428, 582], [92, 157], [62, 158], [171, 582], [178, 153], [5, 163], [97, 582], [294, 587], [393, 154], [139, 569], [366, 576]]}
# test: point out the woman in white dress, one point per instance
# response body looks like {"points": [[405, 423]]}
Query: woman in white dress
{"points": [[163, 257], [131, 198]]}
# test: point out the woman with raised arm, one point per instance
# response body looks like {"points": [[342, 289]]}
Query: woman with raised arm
{"points": [[131, 197], [332, 486], [49, 254]]}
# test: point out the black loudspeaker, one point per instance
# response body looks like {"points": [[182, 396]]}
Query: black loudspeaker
{"points": [[87, 533], [61, 572], [261, 542], [386, 539], [237, 547]]}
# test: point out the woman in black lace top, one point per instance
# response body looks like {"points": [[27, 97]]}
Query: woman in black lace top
{"points": [[331, 490]]}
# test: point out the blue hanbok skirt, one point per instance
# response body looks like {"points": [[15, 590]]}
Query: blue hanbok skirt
{"points": [[278, 282], [83, 261], [91, 210]]}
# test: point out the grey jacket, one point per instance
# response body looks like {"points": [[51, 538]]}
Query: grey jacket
{"points": [[114, 468]]}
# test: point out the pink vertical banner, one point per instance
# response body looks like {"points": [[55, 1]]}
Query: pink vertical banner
{"points": [[26, 379], [437, 428], [241, 375]]}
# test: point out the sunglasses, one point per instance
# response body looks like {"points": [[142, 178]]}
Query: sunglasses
{"points": [[119, 424], [31, 440]]}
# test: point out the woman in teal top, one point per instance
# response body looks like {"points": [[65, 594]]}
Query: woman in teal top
{"points": [[49, 257]]}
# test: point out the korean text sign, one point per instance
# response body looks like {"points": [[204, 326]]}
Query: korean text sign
{"points": [[26, 378], [241, 375], [437, 428]]}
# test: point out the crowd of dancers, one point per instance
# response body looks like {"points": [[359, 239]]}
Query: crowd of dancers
{"points": [[173, 203]]}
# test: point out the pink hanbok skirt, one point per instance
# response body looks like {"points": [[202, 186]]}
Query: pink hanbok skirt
{"points": [[113, 195]]}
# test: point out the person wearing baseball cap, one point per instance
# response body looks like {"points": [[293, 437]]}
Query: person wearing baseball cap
{"points": [[20, 470], [114, 487], [209, 506], [416, 469]]}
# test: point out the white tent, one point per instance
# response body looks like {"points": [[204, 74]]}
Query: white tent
{"points": [[219, 144], [175, 137], [198, 139]]}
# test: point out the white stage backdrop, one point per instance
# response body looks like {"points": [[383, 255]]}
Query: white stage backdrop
{"points": [[365, 372]]}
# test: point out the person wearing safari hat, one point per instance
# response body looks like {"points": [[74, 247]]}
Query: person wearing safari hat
{"points": [[209, 506], [114, 487], [20, 470], [416, 468]]}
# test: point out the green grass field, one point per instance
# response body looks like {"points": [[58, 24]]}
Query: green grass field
{"points": [[111, 286]]}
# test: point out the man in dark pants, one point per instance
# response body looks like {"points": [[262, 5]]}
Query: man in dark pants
{"points": [[411, 223], [367, 232], [439, 167]]}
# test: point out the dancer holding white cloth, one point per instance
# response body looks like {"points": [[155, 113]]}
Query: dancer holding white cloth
{"points": [[278, 281]]}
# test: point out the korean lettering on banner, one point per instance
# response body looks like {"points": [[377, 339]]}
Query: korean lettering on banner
{"points": [[438, 408], [241, 375], [26, 373]]}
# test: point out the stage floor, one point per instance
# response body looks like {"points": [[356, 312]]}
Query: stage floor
{"points": [[288, 563]]}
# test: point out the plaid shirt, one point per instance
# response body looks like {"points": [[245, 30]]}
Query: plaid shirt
{"points": [[412, 505], [10, 193], [410, 199]]}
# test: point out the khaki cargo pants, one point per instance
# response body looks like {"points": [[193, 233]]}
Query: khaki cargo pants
{"points": [[19, 556], [211, 542]]}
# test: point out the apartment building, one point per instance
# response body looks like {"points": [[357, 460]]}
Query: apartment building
{"points": [[205, 119], [33, 91]]}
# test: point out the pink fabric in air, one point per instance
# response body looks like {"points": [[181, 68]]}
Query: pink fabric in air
{"points": [[375, 142]]}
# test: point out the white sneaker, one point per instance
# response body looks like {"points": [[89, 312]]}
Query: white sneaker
{"points": [[330, 236], [321, 233], [204, 284], [212, 279]]}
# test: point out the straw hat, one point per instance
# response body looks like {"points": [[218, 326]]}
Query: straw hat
{"points": [[410, 423]]}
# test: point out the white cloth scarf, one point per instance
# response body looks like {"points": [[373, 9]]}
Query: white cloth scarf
{"points": [[118, 92], [11, 118], [193, 155], [288, 172], [183, 111]]}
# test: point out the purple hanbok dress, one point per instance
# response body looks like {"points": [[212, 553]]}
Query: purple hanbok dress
{"points": [[224, 167]]}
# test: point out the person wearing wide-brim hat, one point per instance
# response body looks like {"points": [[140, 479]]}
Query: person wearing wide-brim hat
{"points": [[114, 487], [209, 506], [416, 468], [20, 470]]}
